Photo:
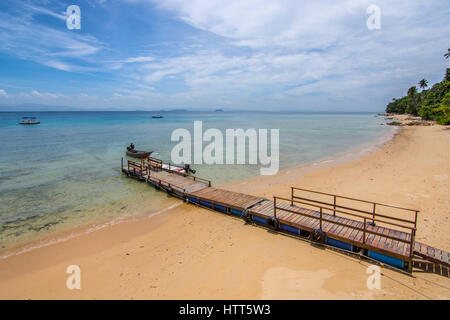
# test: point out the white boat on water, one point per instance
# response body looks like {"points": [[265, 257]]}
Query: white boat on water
{"points": [[29, 120], [159, 164]]}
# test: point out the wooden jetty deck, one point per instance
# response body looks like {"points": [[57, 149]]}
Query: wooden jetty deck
{"points": [[224, 199], [387, 241], [382, 232]]}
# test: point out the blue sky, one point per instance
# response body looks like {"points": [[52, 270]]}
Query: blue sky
{"points": [[234, 54]]}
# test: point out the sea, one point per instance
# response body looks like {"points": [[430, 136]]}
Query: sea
{"points": [[64, 173]]}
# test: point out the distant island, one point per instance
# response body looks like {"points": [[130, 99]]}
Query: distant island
{"points": [[32, 107], [218, 110]]}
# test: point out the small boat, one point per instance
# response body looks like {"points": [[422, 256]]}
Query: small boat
{"points": [[29, 120], [139, 154], [157, 116]]}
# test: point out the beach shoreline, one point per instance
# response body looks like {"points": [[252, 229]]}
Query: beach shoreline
{"points": [[189, 252]]}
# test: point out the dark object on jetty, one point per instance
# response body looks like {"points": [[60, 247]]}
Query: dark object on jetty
{"points": [[188, 169], [317, 235]]}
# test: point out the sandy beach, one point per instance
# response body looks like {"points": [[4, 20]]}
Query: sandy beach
{"points": [[192, 253]]}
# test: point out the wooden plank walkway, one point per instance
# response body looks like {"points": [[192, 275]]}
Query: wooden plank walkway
{"points": [[433, 254], [183, 184], [226, 198], [292, 213]]}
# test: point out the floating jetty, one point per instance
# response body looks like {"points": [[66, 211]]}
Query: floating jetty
{"points": [[381, 232]]}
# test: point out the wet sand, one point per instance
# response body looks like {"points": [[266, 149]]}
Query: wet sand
{"points": [[193, 253]]}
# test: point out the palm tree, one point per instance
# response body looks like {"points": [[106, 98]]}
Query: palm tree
{"points": [[447, 55], [423, 83]]}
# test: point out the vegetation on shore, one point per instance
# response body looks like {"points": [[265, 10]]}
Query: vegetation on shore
{"points": [[430, 104]]}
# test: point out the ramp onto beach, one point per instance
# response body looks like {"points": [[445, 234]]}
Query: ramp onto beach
{"points": [[379, 231], [430, 259]]}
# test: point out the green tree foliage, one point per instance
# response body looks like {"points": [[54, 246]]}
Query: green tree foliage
{"points": [[430, 104], [444, 110], [412, 91], [412, 101]]}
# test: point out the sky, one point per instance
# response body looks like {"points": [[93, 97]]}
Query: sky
{"points": [[209, 54]]}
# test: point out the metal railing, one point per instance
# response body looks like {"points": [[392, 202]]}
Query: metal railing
{"points": [[373, 213], [159, 166], [146, 167], [323, 217], [135, 166]]}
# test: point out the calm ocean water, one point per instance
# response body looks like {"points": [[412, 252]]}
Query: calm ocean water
{"points": [[65, 172]]}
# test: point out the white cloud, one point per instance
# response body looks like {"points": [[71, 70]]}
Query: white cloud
{"points": [[45, 95], [139, 59], [285, 53], [36, 9], [59, 65], [290, 49], [124, 97], [3, 93], [270, 23], [22, 36]]}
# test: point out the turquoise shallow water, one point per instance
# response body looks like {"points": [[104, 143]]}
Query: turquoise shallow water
{"points": [[65, 172]]}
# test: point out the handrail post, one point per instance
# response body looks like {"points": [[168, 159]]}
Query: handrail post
{"points": [[275, 207], [320, 224], [334, 205], [373, 215], [364, 232], [415, 220], [292, 196], [413, 235]]}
